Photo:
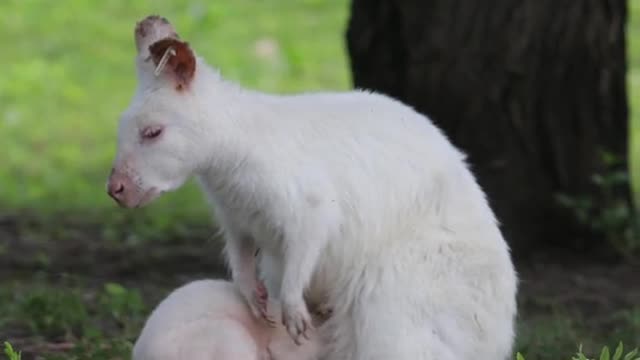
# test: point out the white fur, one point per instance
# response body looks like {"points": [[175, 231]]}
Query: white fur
{"points": [[352, 197], [209, 320]]}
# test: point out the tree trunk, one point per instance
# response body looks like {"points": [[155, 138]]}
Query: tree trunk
{"points": [[531, 90]]}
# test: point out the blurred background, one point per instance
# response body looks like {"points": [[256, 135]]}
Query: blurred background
{"points": [[542, 94]]}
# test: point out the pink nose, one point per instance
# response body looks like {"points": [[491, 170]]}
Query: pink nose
{"points": [[117, 186]]}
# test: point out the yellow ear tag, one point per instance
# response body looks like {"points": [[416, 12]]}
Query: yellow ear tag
{"points": [[163, 61]]}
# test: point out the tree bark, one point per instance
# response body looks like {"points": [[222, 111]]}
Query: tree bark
{"points": [[531, 90]]}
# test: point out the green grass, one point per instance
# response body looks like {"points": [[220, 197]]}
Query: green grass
{"points": [[67, 73], [77, 322], [617, 353], [72, 318], [11, 353], [556, 335]]}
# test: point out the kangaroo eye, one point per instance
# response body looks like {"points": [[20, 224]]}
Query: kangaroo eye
{"points": [[151, 132]]}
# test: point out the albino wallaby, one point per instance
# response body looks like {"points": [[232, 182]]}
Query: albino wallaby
{"points": [[355, 200]]}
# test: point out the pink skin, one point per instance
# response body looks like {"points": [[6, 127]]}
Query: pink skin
{"points": [[274, 338], [123, 190], [279, 345], [242, 251], [261, 297]]}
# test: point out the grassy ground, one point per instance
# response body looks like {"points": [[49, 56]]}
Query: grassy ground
{"points": [[78, 275]]}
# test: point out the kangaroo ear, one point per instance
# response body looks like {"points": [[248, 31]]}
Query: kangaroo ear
{"points": [[151, 29], [174, 58]]}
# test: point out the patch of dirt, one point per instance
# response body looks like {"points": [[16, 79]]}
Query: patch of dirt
{"points": [[578, 287], [581, 286], [29, 245]]}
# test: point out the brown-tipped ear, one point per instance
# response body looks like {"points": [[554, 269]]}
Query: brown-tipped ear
{"points": [[180, 64]]}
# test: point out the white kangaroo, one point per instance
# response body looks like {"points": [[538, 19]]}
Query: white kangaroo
{"points": [[356, 202], [209, 320]]}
